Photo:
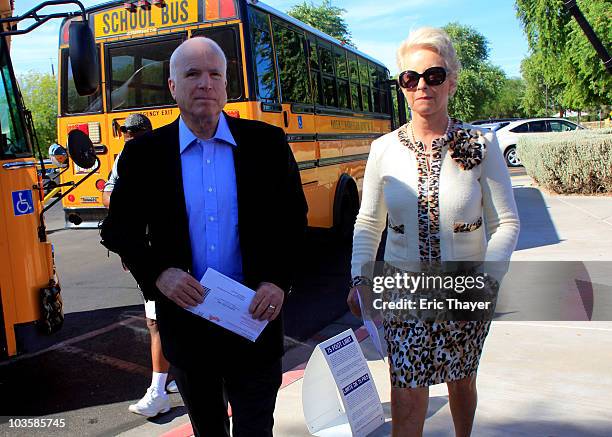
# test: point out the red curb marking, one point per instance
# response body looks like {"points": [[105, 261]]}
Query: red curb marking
{"points": [[184, 430], [289, 377]]}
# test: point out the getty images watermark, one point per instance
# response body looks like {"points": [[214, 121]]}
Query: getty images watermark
{"points": [[466, 291]]}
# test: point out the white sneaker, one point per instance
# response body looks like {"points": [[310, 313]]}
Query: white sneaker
{"points": [[152, 404], [172, 387]]}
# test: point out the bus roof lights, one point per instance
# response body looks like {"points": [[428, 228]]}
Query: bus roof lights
{"points": [[159, 3], [130, 6], [144, 4]]}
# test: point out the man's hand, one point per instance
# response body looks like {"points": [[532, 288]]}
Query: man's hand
{"points": [[180, 287], [267, 303]]}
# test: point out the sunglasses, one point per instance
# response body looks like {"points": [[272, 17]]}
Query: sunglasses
{"points": [[433, 76], [131, 130]]}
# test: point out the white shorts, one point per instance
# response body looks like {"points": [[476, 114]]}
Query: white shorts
{"points": [[150, 309]]}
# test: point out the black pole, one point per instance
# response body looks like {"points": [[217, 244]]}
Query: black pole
{"points": [[573, 9]]}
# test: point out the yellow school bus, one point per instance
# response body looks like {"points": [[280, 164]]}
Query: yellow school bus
{"points": [[30, 300], [330, 99]]}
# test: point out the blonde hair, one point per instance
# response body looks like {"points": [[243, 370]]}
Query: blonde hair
{"points": [[433, 39]]}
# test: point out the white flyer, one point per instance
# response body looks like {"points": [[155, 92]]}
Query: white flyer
{"points": [[355, 384], [226, 303]]}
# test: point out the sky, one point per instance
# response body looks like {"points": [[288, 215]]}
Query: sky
{"points": [[377, 28]]}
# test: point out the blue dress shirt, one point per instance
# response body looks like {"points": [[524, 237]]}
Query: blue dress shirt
{"points": [[209, 184]]}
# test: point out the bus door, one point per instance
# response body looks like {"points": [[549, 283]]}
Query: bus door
{"points": [[397, 104], [82, 113], [137, 72]]}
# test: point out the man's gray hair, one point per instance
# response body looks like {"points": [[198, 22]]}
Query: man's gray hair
{"points": [[177, 52]]}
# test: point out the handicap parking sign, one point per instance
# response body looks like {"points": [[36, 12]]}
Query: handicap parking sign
{"points": [[300, 122], [22, 202]]}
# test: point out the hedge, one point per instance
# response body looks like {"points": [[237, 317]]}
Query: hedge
{"points": [[576, 162]]}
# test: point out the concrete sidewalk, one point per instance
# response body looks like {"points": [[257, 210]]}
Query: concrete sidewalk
{"points": [[535, 378]]}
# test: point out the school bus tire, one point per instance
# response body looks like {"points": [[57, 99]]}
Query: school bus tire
{"points": [[346, 207]]}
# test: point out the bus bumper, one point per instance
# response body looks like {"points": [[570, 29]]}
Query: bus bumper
{"points": [[84, 218]]}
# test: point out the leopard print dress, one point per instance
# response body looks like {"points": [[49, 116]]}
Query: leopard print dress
{"points": [[428, 353]]}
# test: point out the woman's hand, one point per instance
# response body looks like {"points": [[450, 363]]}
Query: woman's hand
{"points": [[353, 302], [361, 293]]}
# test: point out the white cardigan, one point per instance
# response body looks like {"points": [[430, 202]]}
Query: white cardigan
{"points": [[466, 199]]}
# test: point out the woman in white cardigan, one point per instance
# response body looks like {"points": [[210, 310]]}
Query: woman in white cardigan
{"points": [[447, 194]]}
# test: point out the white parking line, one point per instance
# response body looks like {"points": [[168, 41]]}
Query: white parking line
{"points": [[130, 319]]}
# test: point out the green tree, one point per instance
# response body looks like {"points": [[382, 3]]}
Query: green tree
{"points": [[541, 97], [471, 46], [325, 17], [509, 100], [39, 92], [479, 82], [567, 61]]}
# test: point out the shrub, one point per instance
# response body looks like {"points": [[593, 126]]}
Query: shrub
{"points": [[577, 162]]}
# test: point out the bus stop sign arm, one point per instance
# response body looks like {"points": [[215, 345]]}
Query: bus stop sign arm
{"points": [[573, 9]]}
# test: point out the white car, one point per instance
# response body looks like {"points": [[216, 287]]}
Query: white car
{"points": [[509, 134]]}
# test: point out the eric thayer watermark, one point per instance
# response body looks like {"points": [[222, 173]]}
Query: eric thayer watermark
{"points": [[466, 291]]}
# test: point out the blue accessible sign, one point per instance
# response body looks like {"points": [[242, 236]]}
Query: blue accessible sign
{"points": [[22, 202]]}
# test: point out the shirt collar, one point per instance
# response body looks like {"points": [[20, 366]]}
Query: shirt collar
{"points": [[222, 134]]}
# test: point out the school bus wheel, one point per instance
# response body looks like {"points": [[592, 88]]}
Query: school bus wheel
{"points": [[346, 207]]}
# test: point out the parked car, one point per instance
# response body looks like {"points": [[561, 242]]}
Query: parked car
{"points": [[493, 126], [508, 135], [493, 121]]}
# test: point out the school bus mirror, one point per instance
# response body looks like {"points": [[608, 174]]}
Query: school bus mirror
{"points": [[58, 155], [83, 58], [81, 149]]}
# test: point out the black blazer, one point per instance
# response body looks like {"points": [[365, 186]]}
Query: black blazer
{"points": [[147, 226]]}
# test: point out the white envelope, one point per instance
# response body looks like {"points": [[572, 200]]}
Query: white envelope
{"points": [[226, 303]]}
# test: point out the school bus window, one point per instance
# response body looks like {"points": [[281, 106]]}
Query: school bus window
{"points": [[373, 75], [139, 74], [326, 59], [354, 77], [329, 91], [317, 94], [343, 94], [227, 39], [315, 74], [72, 102], [366, 98], [383, 77], [384, 102], [355, 97], [263, 57], [364, 73], [341, 70], [353, 68], [291, 59], [314, 59], [16, 143], [259, 20]]}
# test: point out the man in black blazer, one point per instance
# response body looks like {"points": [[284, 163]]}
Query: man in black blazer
{"points": [[160, 238]]}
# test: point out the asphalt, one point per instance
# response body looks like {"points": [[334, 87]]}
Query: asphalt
{"points": [[536, 378]]}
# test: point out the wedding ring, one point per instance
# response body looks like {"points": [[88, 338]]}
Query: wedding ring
{"points": [[271, 307]]}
